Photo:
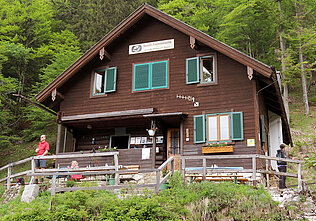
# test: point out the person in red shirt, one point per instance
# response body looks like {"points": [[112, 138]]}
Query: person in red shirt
{"points": [[41, 150]]}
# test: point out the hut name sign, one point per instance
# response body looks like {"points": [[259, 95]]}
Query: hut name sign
{"points": [[151, 46]]}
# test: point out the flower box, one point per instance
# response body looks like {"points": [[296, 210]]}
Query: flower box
{"points": [[222, 149]]}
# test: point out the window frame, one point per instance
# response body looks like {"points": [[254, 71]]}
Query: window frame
{"points": [[235, 127], [199, 58], [218, 127], [105, 91], [150, 75]]}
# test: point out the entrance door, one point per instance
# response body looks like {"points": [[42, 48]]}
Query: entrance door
{"points": [[173, 147]]}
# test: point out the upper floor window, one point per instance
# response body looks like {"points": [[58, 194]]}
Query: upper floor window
{"points": [[220, 127], [149, 76], [200, 69], [104, 81]]}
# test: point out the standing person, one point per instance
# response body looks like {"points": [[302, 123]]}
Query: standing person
{"points": [[282, 166], [42, 150]]}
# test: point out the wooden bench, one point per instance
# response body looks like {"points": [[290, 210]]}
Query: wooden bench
{"points": [[234, 178], [130, 167]]}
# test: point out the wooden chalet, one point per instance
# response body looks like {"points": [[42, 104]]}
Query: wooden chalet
{"points": [[154, 71]]}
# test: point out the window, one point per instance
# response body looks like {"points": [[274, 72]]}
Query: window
{"points": [[104, 81], [200, 69], [149, 76], [220, 127]]}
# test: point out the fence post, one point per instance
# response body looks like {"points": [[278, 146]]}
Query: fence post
{"points": [[299, 176], [254, 171], [204, 169], [9, 177], [157, 181], [116, 170], [33, 169], [267, 175], [172, 166], [183, 169], [53, 191]]}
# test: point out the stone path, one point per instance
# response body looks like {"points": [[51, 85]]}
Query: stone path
{"points": [[306, 201]]}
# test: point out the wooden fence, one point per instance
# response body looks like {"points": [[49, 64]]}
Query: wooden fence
{"points": [[85, 171], [254, 170]]}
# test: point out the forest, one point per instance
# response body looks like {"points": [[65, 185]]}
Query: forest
{"points": [[41, 38]]}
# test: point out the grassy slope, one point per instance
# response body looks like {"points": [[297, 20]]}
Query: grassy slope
{"points": [[303, 134]]}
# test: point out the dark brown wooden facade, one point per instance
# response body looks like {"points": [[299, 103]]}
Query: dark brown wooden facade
{"points": [[94, 120]]}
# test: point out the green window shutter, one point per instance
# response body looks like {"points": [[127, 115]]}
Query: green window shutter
{"points": [[110, 79], [199, 129], [192, 70], [236, 126], [141, 77], [262, 129], [159, 75]]}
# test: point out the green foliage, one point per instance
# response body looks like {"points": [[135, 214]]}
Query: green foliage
{"points": [[311, 161], [198, 201]]}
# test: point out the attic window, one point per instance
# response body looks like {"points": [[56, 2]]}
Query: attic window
{"points": [[104, 81], [201, 70]]}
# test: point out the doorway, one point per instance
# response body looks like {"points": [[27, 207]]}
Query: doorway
{"points": [[173, 146]]}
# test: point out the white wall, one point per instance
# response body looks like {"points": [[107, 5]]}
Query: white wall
{"points": [[275, 135]]}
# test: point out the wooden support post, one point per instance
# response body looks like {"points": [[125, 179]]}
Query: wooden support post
{"points": [[204, 169], [33, 169], [267, 175], [254, 171], [154, 152], [157, 181], [183, 169], [53, 191], [9, 177], [299, 177], [58, 141], [172, 166], [181, 137], [116, 170]]}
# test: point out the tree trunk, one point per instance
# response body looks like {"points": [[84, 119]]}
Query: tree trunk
{"points": [[304, 87], [285, 87], [301, 60]]}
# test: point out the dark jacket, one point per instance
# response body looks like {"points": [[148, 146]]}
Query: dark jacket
{"points": [[281, 154]]}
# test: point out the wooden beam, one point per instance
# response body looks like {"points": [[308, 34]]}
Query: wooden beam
{"points": [[108, 114]]}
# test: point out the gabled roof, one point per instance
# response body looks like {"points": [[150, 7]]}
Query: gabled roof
{"points": [[258, 66]]}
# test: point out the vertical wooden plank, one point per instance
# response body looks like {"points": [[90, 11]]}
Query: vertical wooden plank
{"points": [[154, 152], [116, 170], [299, 176], [183, 169], [33, 169], [172, 166], [204, 168], [157, 181], [254, 171], [267, 175], [58, 140], [181, 137], [53, 191], [9, 177], [65, 140]]}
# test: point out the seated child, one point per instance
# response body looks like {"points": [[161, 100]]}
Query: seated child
{"points": [[74, 165]]}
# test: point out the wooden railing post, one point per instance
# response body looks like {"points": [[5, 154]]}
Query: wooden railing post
{"points": [[299, 177], [204, 169], [183, 169], [9, 177], [172, 166], [53, 191], [116, 170], [267, 175], [33, 169], [254, 171], [157, 181]]}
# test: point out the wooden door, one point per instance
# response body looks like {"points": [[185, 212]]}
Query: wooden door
{"points": [[173, 147]]}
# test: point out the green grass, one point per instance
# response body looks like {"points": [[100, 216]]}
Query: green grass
{"points": [[200, 201]]}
